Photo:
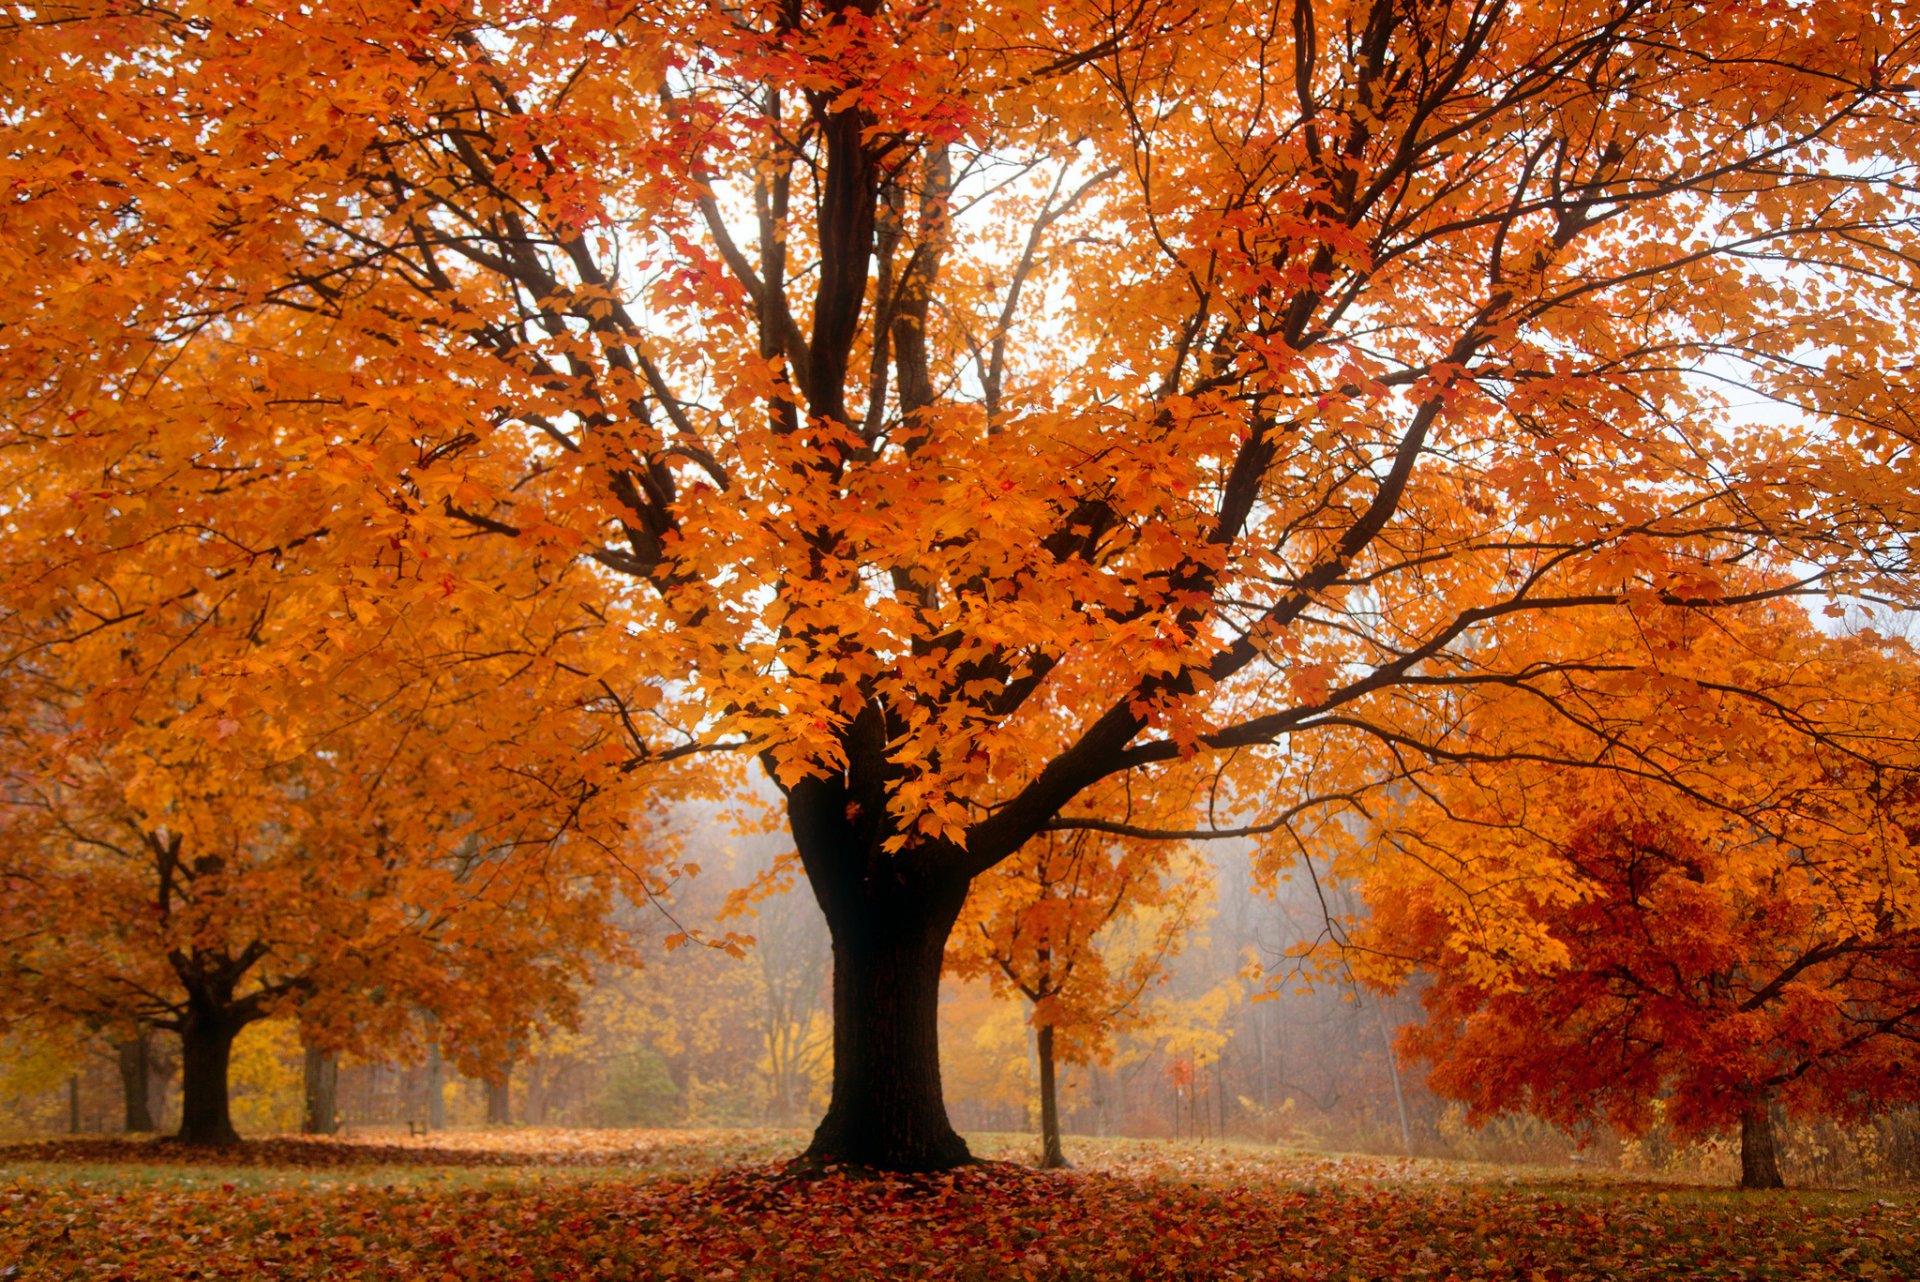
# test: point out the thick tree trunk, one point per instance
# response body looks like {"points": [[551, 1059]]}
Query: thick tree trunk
{"points": [[136, 1080], [1759, 1155], [206, 1048], [887, 1110], [1051, 1156], [322, 1077], [500, 1099]]}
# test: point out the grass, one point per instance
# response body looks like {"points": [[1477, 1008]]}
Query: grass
{"points": [[616, 1205]]}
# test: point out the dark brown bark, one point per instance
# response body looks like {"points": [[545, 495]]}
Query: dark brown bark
{"points": [[889, 916], [848, 200], [1759, 1153], [1051, 1156], [206, 1049], [135, 1055], [73, 1104], [322, 1113], [887, 1109]]}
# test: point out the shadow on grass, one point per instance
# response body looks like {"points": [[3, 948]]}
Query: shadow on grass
{"points": [[321, 1154]]}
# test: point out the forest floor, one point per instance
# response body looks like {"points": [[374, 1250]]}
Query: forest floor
{"points": [[527, 1204]]}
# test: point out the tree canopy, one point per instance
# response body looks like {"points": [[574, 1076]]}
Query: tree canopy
{"points": [[156, 879], [954, 405], [1600, 945]]}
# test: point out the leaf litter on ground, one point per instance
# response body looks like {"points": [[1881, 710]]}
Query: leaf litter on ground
{"points": [[717, 1207]]}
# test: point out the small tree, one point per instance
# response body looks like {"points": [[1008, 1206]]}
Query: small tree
{"points": [[1597, 941], [1034, 925]]}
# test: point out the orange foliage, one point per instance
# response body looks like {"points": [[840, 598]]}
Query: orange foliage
{"points": [[1034, 927], [958, 405], [1598, 940], [352, 867]]}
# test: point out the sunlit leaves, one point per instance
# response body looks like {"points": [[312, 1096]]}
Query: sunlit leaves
{"points": [[1596, 939]]}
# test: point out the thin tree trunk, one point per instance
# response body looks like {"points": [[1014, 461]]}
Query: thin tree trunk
{"points": [[1393, 1075], [206, 1049], [73, 1104], [436, 1089], [1759, 1153], [1051, 1156], [1220, 1093], [322, 1079], [1260, 1051], [136, 1080]]}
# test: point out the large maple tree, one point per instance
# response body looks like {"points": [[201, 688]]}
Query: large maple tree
{"points": [[955, 404]]}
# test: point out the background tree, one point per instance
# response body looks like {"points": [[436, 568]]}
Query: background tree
{"points": [[793, 963], [956, 406], [166, 886], [1597, 942], [144, 1067], [1033, 926]]}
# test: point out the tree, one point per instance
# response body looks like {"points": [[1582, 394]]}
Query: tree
{"points": [[955, 406], [1598, 943], [143, 1074], [1032, 926], [790, 959], [164, 886], [319, 1091]]}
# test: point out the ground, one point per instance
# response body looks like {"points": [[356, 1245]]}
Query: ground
{"points": [[716, 1205]]}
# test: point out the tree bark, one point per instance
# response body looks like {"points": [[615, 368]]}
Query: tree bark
{"points": [[136, 1080], [436, 1090], [887, 1110], [500, 1098], [889, 918], [73, 1104], [322, 1078], [206, 1048], [1759, 1154], [1051, 1155]]}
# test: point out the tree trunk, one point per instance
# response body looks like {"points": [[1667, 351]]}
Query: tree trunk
{"points": [[162, 1065], [500, 1099], [1051, 1156], [536, 1109], [888, 913], [1220, 1100], [1759, 1155], [322, 1116], [136, 1080], [73, 1104], [1393, 1075], [436, 1090], [206, 1047], [887, 1110]]}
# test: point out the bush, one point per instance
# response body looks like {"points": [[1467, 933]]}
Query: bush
{"points": [[639, 1091]]}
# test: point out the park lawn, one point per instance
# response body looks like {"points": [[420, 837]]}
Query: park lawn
{"points": [[716, 1205]]}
